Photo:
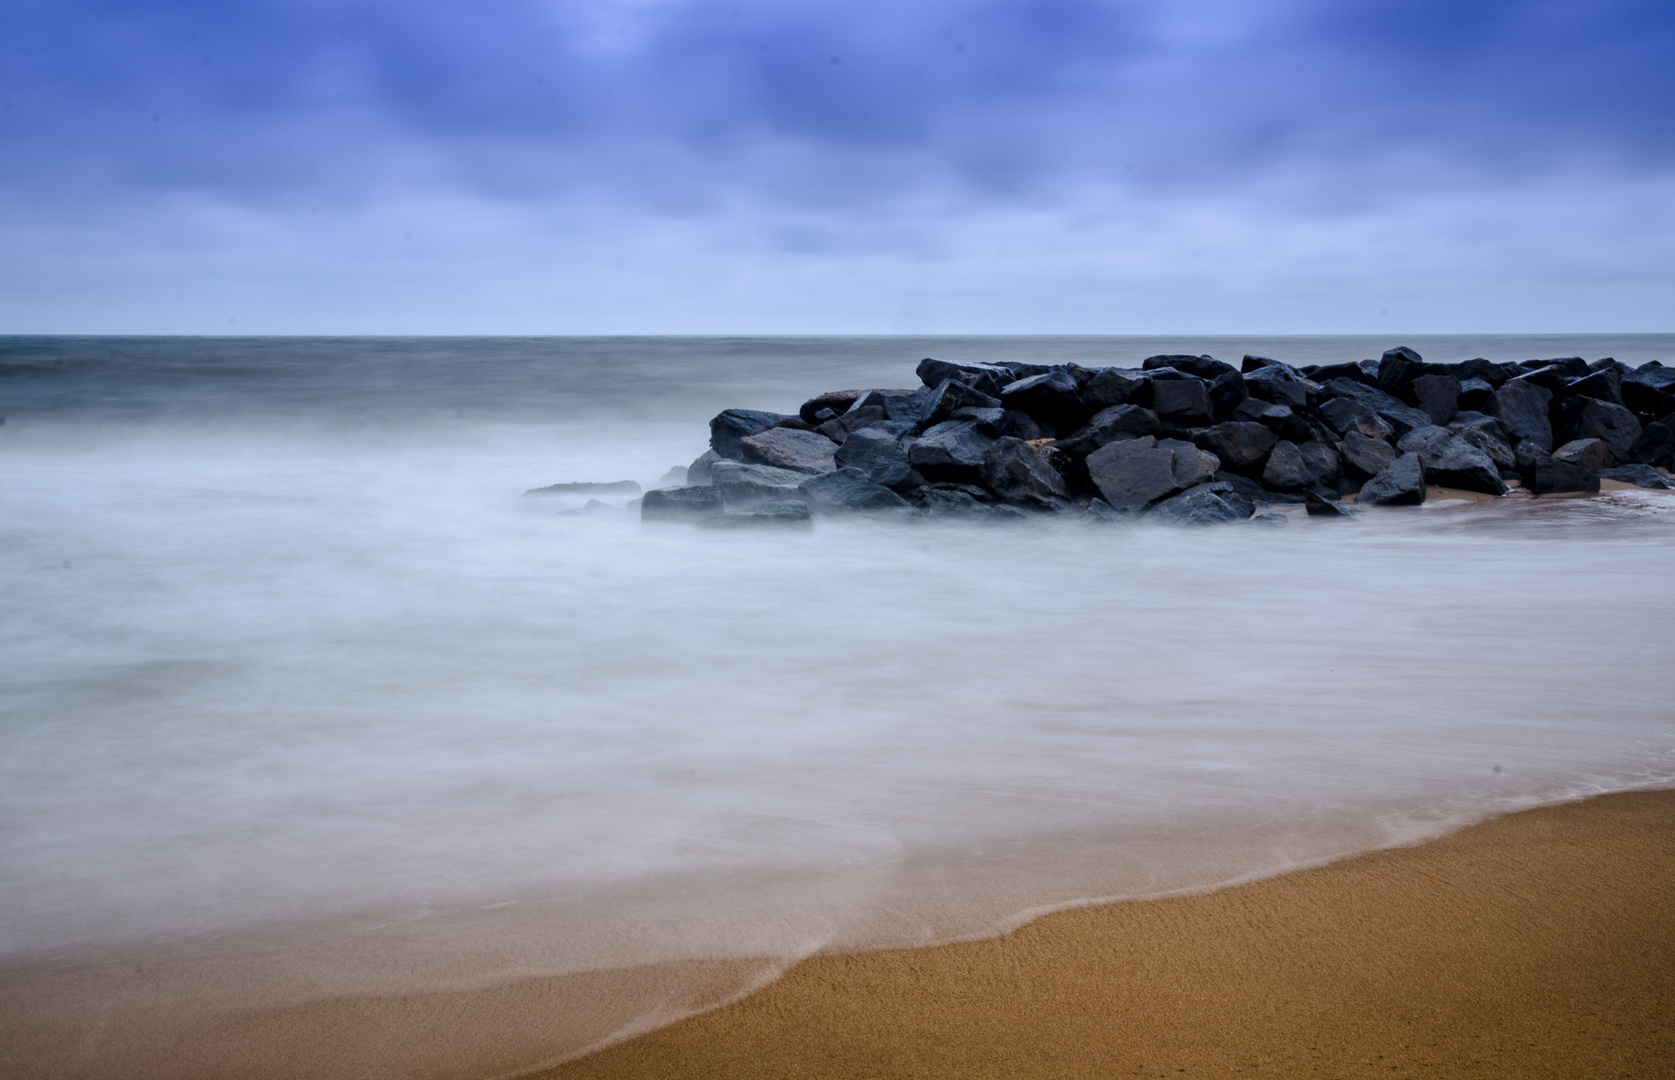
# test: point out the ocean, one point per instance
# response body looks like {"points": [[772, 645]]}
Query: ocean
{"points": [[295, 679]]}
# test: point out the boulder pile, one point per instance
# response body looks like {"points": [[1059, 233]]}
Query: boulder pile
{"points": [[1182, 439]]}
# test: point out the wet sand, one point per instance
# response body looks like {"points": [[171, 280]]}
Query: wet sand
{"points": [[1541, 944]]}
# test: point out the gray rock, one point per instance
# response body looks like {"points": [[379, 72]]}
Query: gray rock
{"points": [[959, 501], [1286, 469], [950, 452], [785, 448], [618, 487], [675, 477], [1115, 386], [1018, 473], [1654, 375], [1227, 392], [1450, 461], [899, 405], [699, 471], [1133, 473], [1365, 457], [1192, 465], [1521, 407], [1321, 460], [743, 486], [950, 395], [1205, 504], [1603, 385], [1401, 483], [681, 504], [1438, 396], [1185, 400], [1590, 454], [838, 401], [1102, 512], [1321, 507], [849, 491], [1110, 425], [869, 447], [785, 513], [1612, 424], [1401, 416], [731, 426], [1346, 415], [1207, 368], [1485, 433], [1281, 385], [1241, 445], [985, 378], [1639, 475]]}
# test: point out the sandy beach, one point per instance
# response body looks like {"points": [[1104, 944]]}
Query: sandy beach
{"points": [[1541, 944]]}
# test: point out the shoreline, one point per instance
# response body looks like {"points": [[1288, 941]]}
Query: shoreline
{"points": [[1541, 943]]}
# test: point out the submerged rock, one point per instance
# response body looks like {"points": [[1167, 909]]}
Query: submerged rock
{"points": [[849, 491], [783, 513], [1207, 504], [618, 487], [681, 504], [1639, 475]]}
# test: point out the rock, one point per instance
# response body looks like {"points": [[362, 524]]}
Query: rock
{"points": [[957, 501], [1326, 508], [1653, 374], [1192, 465], [950, 396], [1052, 398], [1281, 385], [1401, 483], [784, 448], [1346, 415], [1110, 425], [1605, 385], [1491, 373], [1611, 424], [1402, 417], [1656, 445], [1102, 512], [1590, 454], [1132, 473], [1321, 459], [1639, 475], [870, 446], [785, 513], [951, 451], [618, 487], [1356, 372], [1115, 386], [744, 486], [1438, 396], [1646, 400], [1245, 486], [1286, 470], [899, 405], [838, 401], [1521, 407], [849, 491], [681, 504], [1475, 394], [1241, 445], [1206, 504], [1227, 392], [1364, 457], [1485, 433], [987, 379], [1397, 368], [730, 426], [1547, 477], [699, 471], [1450, 461], [1207, 368], [1182, 400], [675, 477], [1017, 473]]}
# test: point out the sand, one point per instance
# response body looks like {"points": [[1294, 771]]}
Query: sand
{"points": [[1541, 944]]}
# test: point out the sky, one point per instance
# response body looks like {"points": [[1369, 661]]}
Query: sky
{"points": [[817, 166]]}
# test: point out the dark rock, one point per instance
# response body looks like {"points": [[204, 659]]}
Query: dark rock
{"points": [[1366, 458], [1321, 460], [1397, 368], [1192, 465], [1656, 445], [1182, 399], [1475, 394], [1611, 424], [1207, 368], [838, 401], [785, 513], [1281, 385], [1450, 461], [1547, 477], [1610, 362], [743, 485], [1438, 396], [784, 448], [681, 504], [867, 448], [1402, 417], [1133, 473], [1101, 512], [984, 378], [1568, 367], [1241, 445], [1245, 486], [1021, 425], [1286, 469], [950, 396], [1257, 363], [1017, 473], [1346, 415], [699, 471], [1654, 375], [1521, 407], [988, 421], [1401, 483], [1206, 504], [1550, 378], [849, 491], [1110, 425], [833, 429], [1491, 373], [1053, 398], [951, 451], [898, 405], [1590, 454], [618, 487], [957, 501], [1647, 401], [1604, 385], [1326, 508], [1639, 475], [1226, 392], [1115, 386], [1485, 433], [1356, 372], [731, 426]]}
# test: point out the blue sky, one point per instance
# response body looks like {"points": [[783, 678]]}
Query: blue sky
{"points": [[660, 166]]}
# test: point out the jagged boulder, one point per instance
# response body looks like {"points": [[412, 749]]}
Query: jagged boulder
{"points": [[1018, 473], [1639, 475], [1366, 458], [1438, 396], [848, 491], [1110, 425], [787, 448], [1206, 504], [1133, 473], [1612, 424], [1590, 454], [950, 452], [745, 485], [1241, 445], [1521, 406], [1450, 461], [731, 426], [1401, 483]]}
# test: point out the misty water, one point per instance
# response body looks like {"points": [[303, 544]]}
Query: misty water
{"points": [[286, 654]]}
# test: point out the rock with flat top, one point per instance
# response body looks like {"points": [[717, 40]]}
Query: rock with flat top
{"points": [[730, 426], [1018, 473], [1401, 483], [681, 504], [786, 448], [1134, 473], [1590, 454]]}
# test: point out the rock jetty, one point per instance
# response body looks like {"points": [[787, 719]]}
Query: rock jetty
{"points": [[1188, 440]]}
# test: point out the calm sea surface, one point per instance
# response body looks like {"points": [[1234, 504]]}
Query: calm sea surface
{"points": [[286, 654]]}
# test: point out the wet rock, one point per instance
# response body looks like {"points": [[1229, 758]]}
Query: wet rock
{"points": [[1654, 375], [731, 426], [1656, 445], [618, 487], [849, 491], [950, 396], [1485, 433], [1286, 469], [1053, 398], [699, 471], [902, 406], [1116, 386], [1365, 458], [1402, 417], [1241, 445], [1132, 473], [984, 378], [1397, 368], [786, 448], [1192, 465], [1611, 424], [1521, 407], [1317, 506], [1590, 454], [1227, 392], [1207, 368], [1281, 385], [1205, 504], [1450, 461], [1544, 476], [1639, 475], [837, 401], [1245, 486], [1604, 385], [744, 486], [1437, 396], [1475, 395], [1355, 372], [1647, 401], [951, 451], [681, 504], [1491, 373], [1101, 512], [1182, 400], [1110, 425], [785, 513], [1401, 483], [1018, 473], [958, 501]]}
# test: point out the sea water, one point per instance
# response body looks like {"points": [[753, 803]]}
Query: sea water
{"points": [[287, 656]]}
